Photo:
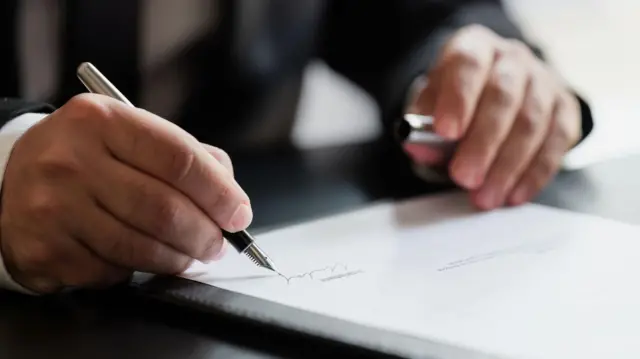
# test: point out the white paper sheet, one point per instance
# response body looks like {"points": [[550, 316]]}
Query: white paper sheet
{"points": [[527, 282]]}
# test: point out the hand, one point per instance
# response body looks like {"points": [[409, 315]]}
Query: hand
{"points": [[514, 119], [98, 190]]}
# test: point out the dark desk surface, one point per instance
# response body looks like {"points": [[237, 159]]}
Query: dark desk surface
{"points": [[284, 188]]}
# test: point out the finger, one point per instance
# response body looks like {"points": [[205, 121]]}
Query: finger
{"points": [[465, 65], [499, 104], [51, 259], [154, 208], [60, 262], [78, 266], [158, 147], [222, 252], [46, 258], [424, 102], [221, 156], [518, 150], [548, 159], [126, 247], [424, 155]]}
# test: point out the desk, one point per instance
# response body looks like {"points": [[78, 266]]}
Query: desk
{"points": [[285, 188]]}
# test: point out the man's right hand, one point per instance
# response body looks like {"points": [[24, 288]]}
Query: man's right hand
{"points": [[98, 190]]}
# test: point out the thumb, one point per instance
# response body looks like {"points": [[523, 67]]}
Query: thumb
{"points": [[423, 96]]}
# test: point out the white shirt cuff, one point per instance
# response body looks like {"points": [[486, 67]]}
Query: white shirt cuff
{"points": [[10, 133]]}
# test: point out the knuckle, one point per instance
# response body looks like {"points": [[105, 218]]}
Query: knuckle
{"points": [[466, 57], [500, 88], [44, 205], [86, 107], [228, 193], [221, 154], [134, 141], [534, 107], [161, 210], [181, 164], [166, 213], [518, 48], [529, 121], [224, 194], [507, 162], [224, 158], [57, 164]]}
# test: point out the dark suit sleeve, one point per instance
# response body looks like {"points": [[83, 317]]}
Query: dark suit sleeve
{"points": [[384, 45], [11, 108]]}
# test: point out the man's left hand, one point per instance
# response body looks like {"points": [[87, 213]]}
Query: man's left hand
{"points": [[513, 118]]}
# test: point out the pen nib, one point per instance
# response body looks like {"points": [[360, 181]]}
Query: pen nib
{"points": [[260, 258]]}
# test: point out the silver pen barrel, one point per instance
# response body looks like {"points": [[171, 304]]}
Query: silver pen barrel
{"points": [[97, 83]]}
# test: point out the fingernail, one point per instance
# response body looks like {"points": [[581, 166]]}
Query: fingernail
{"points": [[241, 218]]}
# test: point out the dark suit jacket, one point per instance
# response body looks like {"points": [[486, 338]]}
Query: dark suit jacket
{"points": [[251, 67]]}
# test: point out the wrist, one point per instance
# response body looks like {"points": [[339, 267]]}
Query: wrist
{"points": [[10, 134]]}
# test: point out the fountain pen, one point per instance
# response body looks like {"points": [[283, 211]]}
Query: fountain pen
{"points": [[242, 241]]}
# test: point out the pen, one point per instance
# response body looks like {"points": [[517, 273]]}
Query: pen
{"points": [[412, 128], [415, 128], [242, 241]]}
